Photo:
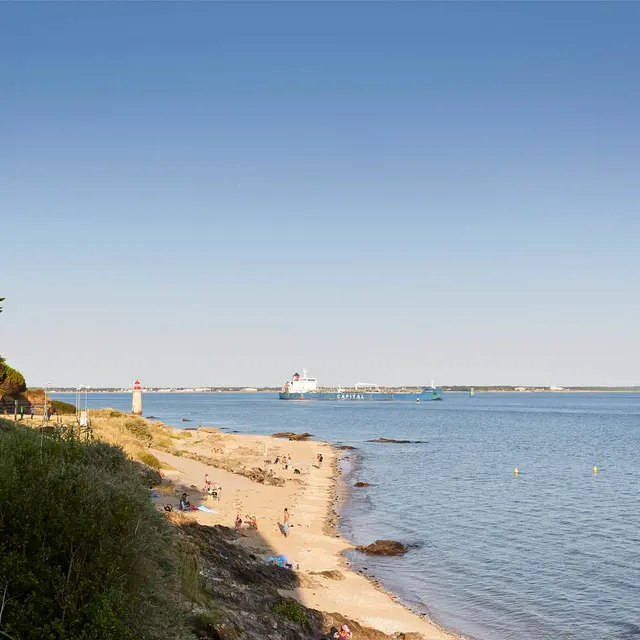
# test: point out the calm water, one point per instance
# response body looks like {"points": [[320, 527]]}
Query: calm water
{"points": [[551, 554]]}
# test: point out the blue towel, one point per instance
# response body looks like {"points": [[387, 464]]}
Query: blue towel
{"points": [[201, 508]]}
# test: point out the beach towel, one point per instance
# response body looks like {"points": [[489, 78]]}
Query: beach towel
{"points": [[203, 508]]}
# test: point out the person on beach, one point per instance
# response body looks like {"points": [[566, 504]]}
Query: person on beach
{"points": [[239, 525], [320, 461], [285, 523], [185, 505], [217, 490], [344, 632], [207, 482]]}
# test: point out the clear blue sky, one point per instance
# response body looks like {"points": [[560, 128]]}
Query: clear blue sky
{"points": [[206, 193]]}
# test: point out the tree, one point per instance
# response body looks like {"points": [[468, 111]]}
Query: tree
{"points": [[11, 381]]}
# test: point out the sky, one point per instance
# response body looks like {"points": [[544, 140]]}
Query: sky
{"points": [[221, 194]]}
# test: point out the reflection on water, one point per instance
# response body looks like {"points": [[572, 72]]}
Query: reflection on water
{"points": [[552, 553]]}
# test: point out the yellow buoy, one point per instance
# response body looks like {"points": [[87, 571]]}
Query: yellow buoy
{"points": [[515, 471], [595, 469]]}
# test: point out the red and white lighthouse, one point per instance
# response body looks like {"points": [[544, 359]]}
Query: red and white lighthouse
{"points": [[136, 405]]}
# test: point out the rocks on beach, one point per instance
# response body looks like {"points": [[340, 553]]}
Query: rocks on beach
{"points": [[344, 447], [290, 435], [384, 548], [361, 484], [392, 441], [332, 575]]}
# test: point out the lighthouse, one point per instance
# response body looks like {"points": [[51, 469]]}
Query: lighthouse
{"points": [[136, 405]]}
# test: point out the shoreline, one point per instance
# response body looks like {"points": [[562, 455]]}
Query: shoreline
{"points": [[341, 497], [314, 498]]}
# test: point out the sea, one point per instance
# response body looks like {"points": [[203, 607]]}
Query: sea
{"points": [[552, 553]]}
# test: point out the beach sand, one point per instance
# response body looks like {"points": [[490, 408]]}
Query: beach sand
{"points": [[309, 497]]}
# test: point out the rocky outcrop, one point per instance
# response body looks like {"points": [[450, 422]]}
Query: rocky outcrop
{"points": [[361, 484], [290, 435], [245, 602], [392, 441], [208, 429], [261, 476], [384, 548], [344, 447], [186, 420]]}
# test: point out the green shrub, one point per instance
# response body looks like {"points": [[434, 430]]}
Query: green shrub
{"points": [[139, 429], [191, 582], [291, 610], [63, 407], [149, 459], [84, 555]]}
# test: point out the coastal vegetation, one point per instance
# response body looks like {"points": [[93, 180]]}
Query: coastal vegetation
{"points": [[12, 382], [83, 551]]}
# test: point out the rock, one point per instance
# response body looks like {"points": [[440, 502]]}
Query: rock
{"points": [[262, 476], [300, 436], [361, 484], [223, 631], [344, 447], [186, 420], [384, 548], [332, 575], [392, 441], [292, 436], [153, 418]]}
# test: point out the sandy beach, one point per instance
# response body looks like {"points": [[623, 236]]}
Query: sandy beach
{"points": [[309, 496]]}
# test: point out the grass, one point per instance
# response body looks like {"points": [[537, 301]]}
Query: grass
{"points": [[149, 459], [291, 610], [191, 582]]}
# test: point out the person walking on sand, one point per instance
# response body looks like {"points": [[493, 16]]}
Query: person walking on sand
{"points": [[320, 461], [285, 523]]}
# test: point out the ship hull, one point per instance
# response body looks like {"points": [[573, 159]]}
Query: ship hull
{"points": [[426, 395]]}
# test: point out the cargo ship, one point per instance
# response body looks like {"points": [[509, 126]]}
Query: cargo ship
{"points": [[305, 388]]}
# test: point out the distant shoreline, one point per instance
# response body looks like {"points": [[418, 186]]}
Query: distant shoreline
{"points": [[444, 389]]}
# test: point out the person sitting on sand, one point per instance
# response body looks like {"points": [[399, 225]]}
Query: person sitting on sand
{"points": [[185, 505], [217, 489], [207, 482], [344, 632], [253, 521]]}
